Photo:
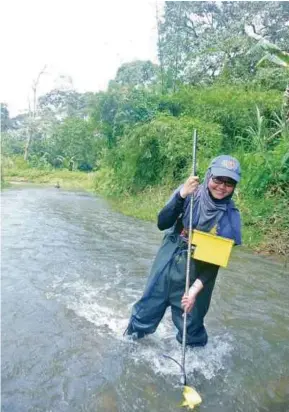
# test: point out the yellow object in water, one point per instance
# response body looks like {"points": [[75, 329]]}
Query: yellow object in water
{"points": [[192, 398], [212, 249]]}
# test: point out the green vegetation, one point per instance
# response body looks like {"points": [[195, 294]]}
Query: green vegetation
{"points": [[17, 170], [132, 143]]}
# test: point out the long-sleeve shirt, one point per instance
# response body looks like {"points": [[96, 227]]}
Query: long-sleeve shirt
{"points": [[173, 216]]}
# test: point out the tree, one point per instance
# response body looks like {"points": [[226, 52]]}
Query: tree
{"points": [[33, 113], [73, 141], [201, 40], [273, 54], [137, 74], [160, 51], [59, 104], [5, 118], [120, 108]]}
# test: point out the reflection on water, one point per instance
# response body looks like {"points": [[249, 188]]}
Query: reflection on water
{"points": [[71, 270]]}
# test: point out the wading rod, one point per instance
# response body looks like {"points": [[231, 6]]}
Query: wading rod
{"points": [[195, 137]]}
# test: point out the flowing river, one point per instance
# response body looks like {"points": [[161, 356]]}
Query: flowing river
{"points": [[71, 270]]}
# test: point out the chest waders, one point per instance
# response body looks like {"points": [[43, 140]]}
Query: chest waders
{"points": [[166, 287], [171, 275]]}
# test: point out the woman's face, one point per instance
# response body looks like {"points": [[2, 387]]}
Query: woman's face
{"points": [[221, 186]]}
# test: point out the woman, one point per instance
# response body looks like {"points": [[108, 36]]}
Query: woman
{"points": [[213, 211]]}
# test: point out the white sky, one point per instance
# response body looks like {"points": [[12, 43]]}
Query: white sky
{"points": [[85, 39]]}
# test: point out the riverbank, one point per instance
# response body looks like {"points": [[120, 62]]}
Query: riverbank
{"points": [[58, 178], [265, 222]]}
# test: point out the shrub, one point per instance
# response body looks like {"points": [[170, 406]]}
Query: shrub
{"points": [[162, 151], [232, 107]]}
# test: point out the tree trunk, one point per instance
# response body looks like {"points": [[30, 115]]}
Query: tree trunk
{"points": [[32, 114], [26, 150], [160, 50]]}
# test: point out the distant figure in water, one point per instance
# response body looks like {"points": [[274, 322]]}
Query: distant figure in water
{"points": [[57, 185]]}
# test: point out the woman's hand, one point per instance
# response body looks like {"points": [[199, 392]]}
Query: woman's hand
{"points": [[190, 186], [188, 302]]}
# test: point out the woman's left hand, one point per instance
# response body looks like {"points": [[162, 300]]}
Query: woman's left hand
{"points": [[188, 302]]}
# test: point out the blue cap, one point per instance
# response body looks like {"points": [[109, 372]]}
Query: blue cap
{"points": [[226, 166]]}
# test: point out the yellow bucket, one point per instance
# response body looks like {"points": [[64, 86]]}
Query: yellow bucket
{"points": [[212, 249]]}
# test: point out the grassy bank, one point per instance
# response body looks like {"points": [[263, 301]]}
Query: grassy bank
{"points": [[64, 178]]}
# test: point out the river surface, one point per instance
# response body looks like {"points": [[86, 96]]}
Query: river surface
{"points": [[71, 270]]}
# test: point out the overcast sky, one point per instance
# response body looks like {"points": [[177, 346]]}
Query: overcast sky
{"points": [[85, 39]]}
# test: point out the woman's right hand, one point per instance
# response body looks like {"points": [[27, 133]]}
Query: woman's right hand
{"points": [[188, 302], [190, 186]]}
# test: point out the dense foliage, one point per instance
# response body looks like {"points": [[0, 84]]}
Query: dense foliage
{"points": [[223, 70]]}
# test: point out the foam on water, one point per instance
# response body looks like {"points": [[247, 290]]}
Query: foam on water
{"points": [[107, 307], [207, 361], [92, 303]]}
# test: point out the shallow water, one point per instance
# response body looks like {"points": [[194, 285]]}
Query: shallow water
{"points": [[71, 270]]}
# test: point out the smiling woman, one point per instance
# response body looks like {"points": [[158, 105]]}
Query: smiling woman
{"points": [[225, 175], [213, 211]]}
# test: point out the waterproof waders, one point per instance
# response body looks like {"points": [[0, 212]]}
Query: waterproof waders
{"points": [[166, 286]]}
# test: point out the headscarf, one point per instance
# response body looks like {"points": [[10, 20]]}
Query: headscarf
{"points": [[206, 211]]}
